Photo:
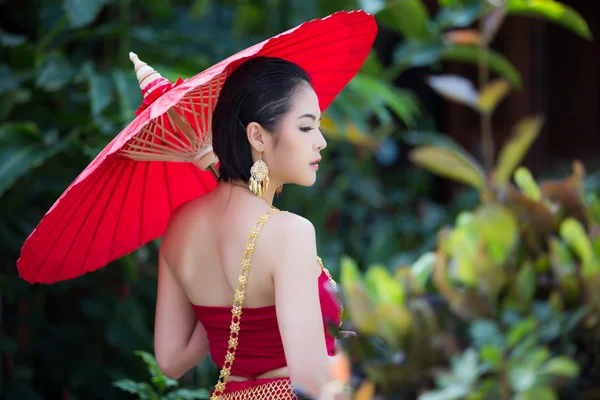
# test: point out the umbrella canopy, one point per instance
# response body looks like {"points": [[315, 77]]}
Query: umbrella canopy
{"points": [[124, 197]]}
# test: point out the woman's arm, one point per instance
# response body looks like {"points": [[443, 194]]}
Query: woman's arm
{"points": [[298, 306], [180, 340]]}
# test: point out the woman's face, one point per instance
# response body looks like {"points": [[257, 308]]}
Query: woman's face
{"points": [[292, 153]]}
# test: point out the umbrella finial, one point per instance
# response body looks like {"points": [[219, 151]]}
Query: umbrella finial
{"points": [[145, 73]]}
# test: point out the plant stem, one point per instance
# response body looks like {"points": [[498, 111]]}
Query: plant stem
{"points": [[487, 137]]}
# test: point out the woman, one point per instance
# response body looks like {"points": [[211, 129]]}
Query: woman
{"points": [[265, 134]]}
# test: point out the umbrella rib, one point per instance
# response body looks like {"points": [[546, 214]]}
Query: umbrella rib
{"points": [[120, 171], [144, 181], [75, 209], [89, 211], [114, 235], [168, 187], [316, 46], [282, 43]]}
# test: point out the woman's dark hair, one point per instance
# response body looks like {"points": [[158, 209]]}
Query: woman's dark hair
{"points": [[260, 90]]}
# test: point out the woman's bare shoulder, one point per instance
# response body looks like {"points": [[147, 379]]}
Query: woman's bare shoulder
{"points": [[287, 226], [183, 221], [293, 241]]}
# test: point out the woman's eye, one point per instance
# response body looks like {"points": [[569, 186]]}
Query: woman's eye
{"points": [[306, 129]]}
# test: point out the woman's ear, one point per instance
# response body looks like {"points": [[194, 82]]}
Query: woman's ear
{"points": [[256, 135]]}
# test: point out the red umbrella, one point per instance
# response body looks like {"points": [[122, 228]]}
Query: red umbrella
{"points": [[124, 198]]}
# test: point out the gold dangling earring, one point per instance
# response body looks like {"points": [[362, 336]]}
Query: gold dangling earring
{"points": [[259, 177], [279, 190]]}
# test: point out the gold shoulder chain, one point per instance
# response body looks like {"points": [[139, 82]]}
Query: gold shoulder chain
{"points": [[236, 310]]}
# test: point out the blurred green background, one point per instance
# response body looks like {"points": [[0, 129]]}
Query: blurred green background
{"points": [[67, 87]]}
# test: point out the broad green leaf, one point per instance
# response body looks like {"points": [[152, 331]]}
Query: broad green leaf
{"points": [[573, 232], [455, 88], [54, 73], [383, 288], [11, 40], [466, 367], [450, 164], [525, 284], [538, 393], [8, 80], [187, 394], [420, 138], [349, 273], [561, 366], [528, 186], [22, 148], [520, 330], [100, 89], [83, 12], [498, 228], [486, 333], [459, 14], [522, 379], [553, 11], [143, 390], [491, 355], [378, 94], [408, 17], [525, 132], [128, 91], [496, 61], [423, 268], [492, 94], [414, 54]]}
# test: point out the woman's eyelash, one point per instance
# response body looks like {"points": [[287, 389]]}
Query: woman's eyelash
{"points": [[306, 129]]}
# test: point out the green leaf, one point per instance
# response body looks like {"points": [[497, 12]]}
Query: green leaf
{"points": [[522, 379], [11, 40], [450, 164], [553, 11], [83, 12], [561, 366], [525, 182], [8, 80], [537, 393], [466, 367], [458, 15], [383, 288], [525, 284], [378, 94], [491, 355], [408, 17], [423, 268], [492, 94], [486, 333], [573, 232], [143, 390], [498, 228], [520, 330], [496, 61], [512, 153], [161, 381], [187, 394], [22, 148], [455, 88], [54, 73], [100, 92], [420, 138]]}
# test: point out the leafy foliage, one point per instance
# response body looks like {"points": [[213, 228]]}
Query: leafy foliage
{"points": [[505, 307]]}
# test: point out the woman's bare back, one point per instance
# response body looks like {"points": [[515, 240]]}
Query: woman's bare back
{"points": [[205, 246]]}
